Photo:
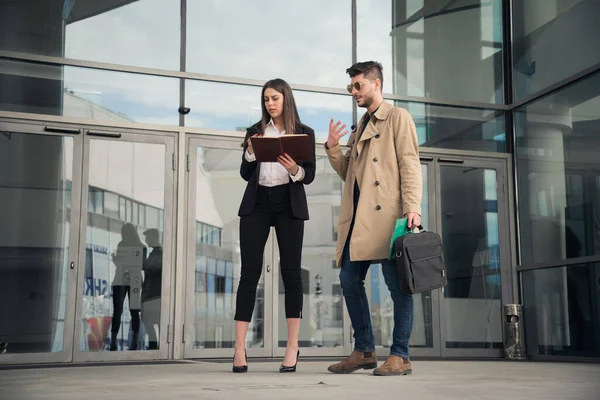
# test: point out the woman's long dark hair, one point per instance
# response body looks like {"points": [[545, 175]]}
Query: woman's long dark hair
{"points": [[290, 113], [129, 235]]}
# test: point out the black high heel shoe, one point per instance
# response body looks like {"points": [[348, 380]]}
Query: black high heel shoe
{"points": [[283, 368], [243, 368]]}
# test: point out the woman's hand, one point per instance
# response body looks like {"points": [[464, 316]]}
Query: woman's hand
{"points": [[250, 149], [288, 163]]}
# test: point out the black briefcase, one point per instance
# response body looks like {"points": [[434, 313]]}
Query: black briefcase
{"points": [[419, 261]]}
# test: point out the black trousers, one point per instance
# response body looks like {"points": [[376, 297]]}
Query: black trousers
{"points": [[272, 208], [119, 293]]}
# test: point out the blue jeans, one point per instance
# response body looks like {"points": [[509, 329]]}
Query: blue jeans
{"points": [[352, 279]]}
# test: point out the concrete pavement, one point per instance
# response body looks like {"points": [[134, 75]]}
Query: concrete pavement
{"points": [[447, 380]]}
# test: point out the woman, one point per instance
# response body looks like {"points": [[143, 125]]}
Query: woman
{"points": [[274, 196], [131, 253]]}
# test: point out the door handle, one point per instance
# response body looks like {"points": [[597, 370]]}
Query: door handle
{"points": [[268, 268], [62, 130], [451, 160], [115, 135], [426, 158], [72, 265]]}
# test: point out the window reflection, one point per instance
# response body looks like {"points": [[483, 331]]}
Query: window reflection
{"points": [[222, 106], [235, 107], [424, 54], [557, 142], [317, 109], [322, 324], [381, 305], [546, 35], [308, 42], [562, 310], [121, 297], [88, 93], [139, 33], [219, 190], [36, 175], [457, 128], [470, 233]]}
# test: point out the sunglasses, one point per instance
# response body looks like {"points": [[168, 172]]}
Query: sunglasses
{"points": [[356, 85]]}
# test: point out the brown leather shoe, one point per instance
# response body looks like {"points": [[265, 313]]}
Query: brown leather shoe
{"points": [[394, 365], [353, 362]]}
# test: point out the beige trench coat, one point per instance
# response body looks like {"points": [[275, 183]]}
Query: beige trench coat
{"points": [[385, 162]]}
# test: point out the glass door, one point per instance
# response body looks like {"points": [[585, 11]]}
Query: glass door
{"points": [[214, 192], [473, 221], [464, 200], [126, 248], [324, 329], [40, 186], [425, 338]]}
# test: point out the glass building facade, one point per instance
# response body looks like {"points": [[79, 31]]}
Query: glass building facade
{"points": [[118, 214]]}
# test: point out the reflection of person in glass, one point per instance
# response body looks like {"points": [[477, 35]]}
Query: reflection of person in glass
{"points": [[383, 179], [151, 287], [129, 259], [274, 196]]}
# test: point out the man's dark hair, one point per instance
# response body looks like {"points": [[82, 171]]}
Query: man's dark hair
{"points": [[372, 70]]}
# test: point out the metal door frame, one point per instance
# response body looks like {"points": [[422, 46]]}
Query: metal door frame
{"points": [[435, 350], [270, 272], [28, 127], [137, 136], [224, 143], [499, 162], [306, 351]]}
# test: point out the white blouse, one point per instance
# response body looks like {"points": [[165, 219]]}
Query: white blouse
{"points": [[272, 173]]}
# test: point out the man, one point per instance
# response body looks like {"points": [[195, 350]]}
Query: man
{"points": [[382, 173]]}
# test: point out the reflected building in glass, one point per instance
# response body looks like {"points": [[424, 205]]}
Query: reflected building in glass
{"points": [[119, 233]]}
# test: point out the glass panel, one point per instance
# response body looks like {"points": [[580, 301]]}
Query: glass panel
{"points": [[122, 212], [95, 201], [111, 203], [141, 33], [124, 262], [234, 107], [425, 197], [557, 142], [219, 190], [470, 233], [562, 310], [382, 307], [548, 32], [35, 221], [88, 93], [597, 212], [322, 313], [134, 218], [424, 54], [457, 128], [317, 109], [309, 42]]}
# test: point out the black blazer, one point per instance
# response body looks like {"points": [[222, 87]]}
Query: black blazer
{"points": [[249, 173]]}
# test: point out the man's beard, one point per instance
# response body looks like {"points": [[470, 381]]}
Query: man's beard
{"points": [[366, 102]]}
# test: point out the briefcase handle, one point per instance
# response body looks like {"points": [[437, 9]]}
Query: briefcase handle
{"points": [[420, 228]]}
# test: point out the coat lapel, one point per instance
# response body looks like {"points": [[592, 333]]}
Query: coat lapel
{"points": [[371, 130], [359, 142]]}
